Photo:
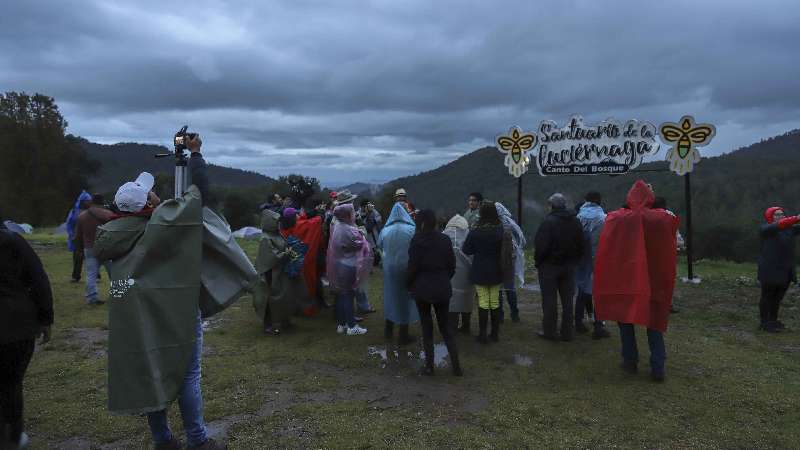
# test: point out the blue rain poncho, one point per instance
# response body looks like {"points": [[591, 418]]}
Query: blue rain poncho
{"points": [[72, 219], [592, 218], [519, 245], [394, 240]]}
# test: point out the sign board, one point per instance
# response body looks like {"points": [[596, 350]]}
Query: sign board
{"points": [[608, 148], [515, 145], [684, 137]]}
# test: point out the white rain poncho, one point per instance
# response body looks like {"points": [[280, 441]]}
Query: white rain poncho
{"points": [[463, 290], [519, 244]]}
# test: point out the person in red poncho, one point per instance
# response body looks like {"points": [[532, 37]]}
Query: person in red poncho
{"points": [[776, 266], [634, 275], [307, 229]]}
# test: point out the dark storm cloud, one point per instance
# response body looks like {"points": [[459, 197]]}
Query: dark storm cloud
{"points": [[425, 79]]}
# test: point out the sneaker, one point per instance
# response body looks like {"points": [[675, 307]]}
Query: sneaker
{"points": [[95, 303], [356, 330], [600, 333], [658, 377], [779, 325], [75, 280], [271, 331], [364, 312], [580, 328], [772, 327], [210, 444], [358, 319], [515, 318], [547, 337], [173, 444], [340, 329]]}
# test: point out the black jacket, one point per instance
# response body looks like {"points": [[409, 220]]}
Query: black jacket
{"points": [[559, 239], [26, 301], [198, 171], [776, 262], [485, 244], [431, 264]]}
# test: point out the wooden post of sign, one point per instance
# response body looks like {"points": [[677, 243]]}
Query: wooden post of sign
{"points": [[519, 201], [689, 248]]}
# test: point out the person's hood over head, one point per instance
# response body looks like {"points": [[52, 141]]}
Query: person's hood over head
{"points": [[345, 213], [269, 221], [640, 196], [458, 222], [399, 214], [769, 214]]}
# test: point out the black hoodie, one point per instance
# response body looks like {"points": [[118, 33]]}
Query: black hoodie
{"points": [[559, 239]]}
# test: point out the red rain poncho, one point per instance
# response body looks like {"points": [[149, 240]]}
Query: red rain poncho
{"points": [[634, 271], [309, 231], [349, 256]]}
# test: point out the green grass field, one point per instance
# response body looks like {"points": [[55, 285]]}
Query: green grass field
{"points": [[728, 385]]}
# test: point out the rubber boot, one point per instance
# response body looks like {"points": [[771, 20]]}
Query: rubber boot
{"points": [[388, 329], [483, 318], [452, 323], [404, 338], [465, 323], [495, 336], [427, 369], [454, 360]]}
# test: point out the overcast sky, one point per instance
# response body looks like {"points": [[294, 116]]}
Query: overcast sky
{"points": [[369, 91]]}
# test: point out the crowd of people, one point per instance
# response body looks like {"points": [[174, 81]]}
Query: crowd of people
{"points": [[177, 259]]}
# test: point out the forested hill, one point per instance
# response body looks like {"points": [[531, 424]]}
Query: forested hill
{"points": [[123, 162], [729, 192]]}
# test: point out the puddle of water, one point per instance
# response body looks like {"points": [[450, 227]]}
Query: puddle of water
{"points": [[523, 360], [439, 355], [404, 357]]}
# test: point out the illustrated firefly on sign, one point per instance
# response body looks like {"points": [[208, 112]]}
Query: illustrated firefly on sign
{"points": [[515, 145], [685, 137]]}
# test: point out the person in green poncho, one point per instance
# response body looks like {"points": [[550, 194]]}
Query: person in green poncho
{"points": [[280, 268], [158, 291]]}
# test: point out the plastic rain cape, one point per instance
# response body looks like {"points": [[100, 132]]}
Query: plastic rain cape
{"points": [[349, 257], [634, 270], [273, 254], [394, 240], [519, 244], [159, 267], [463, 290], [72, 218]]}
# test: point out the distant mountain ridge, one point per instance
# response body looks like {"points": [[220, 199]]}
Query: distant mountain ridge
{"points": [[729, 192], [124, 161], [369, 190]]}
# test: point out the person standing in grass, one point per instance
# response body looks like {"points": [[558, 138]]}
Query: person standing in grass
{"points": [[431, 265], [776, 264], [472, 214], [592, 218], [463, 298], [491, 248], [634, 275], [85, 232], [559, 246], [349, 260], [81, 204], [26, 312], [398, 306], [515, 279]]}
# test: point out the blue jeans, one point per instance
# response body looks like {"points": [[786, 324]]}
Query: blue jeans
{"points": [[344, 308], [92, 271], [361, 300], [655, 339], [190, 401]]}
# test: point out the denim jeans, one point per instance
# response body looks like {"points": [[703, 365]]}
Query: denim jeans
{"points": [[361, 300], [92, 270], [344, 308], [511, 297], [190, 401], [655, 339]]}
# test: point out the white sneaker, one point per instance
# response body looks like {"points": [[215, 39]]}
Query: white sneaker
{"points": [[356, 330], [341, 329]]}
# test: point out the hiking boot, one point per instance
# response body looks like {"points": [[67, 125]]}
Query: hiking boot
{"points": [[515, 317], [779, 325], [210, 444], [356, 330], [772, 327], [483, 319], [630, 367], [580, 328], [546, 337], [172, 444], [496, 320]]}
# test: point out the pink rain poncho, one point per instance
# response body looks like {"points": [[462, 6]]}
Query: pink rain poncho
{"points": [[349, 256]]}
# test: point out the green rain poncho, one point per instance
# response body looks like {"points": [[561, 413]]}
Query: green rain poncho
{"points": [[282, 291], [159, 283]]}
